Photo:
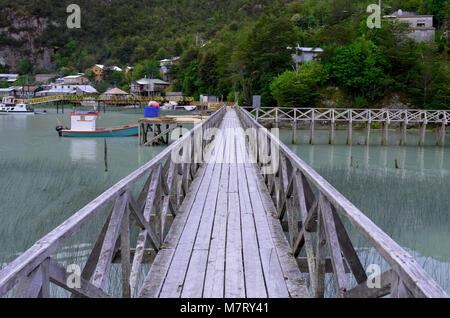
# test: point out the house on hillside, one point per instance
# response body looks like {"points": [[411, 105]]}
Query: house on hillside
{"points": [[208, 99], [421, 26], [75, 80], [148, 87], [63, 89], [114, 94], [165, 66], [10, 78], [29, 91], [10, 91], [44, 78], [306, 54], [101, 70]]}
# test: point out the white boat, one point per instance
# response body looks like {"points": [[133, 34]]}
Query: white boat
{"points": [[170, 105], [9, 107], [190, 108]]}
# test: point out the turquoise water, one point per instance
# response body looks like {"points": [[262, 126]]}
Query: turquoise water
{"points": [[410, 203], [44, 179]]}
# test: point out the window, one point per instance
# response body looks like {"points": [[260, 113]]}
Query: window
{"points": [[420, 25]]}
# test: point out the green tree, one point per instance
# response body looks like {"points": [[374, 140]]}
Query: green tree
{"points": [[267, 53], [359, 68], [207, 73], [24, 67], [299, 90]]}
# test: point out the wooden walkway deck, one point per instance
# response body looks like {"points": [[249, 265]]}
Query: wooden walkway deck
{"points": [[210, 225], [225, 241]]}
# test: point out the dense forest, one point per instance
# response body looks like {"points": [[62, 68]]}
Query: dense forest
{"points": [[241, 46]]}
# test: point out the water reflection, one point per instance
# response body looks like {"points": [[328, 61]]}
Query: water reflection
{"points": [[410, 203], [83, 149]]}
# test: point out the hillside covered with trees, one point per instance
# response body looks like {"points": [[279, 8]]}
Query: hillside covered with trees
{"points": [[241, 46]]}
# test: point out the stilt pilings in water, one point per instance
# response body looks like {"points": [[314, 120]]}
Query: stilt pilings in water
{"points": [[334, 116], [294, 132], [441, 135], [332, 132], [384, 133], [367, 138], [403, 127], [349, 133], [422, 131]]}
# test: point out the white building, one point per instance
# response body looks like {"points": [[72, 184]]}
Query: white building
{"points": [[421, 26], [63, 89], [10, 78], [165, 66], [306, 54]]}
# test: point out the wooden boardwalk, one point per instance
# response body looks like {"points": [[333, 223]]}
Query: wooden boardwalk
{"points": [[246, 218], [225, 241]]}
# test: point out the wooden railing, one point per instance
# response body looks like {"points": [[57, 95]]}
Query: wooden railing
{"points": [[167, 182], [315, 217], [280, 114], [384, 117]]}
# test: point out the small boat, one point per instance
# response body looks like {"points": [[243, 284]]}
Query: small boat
{"points": [[169, 106], [84, 125], [190, 108], [9, 107]]}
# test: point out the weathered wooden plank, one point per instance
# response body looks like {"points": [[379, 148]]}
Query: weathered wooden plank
{"points": [[104, 261], [291, 275], [348, 250], [60, 277], [215, 271], [193, 284], [362, 290], [319, 273], [125, 251], [333, 245], [254, 277], [302, 263], [234, 271], [45, 288], [29, 286]]}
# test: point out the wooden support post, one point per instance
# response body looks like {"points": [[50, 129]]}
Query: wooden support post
{"points": [[125, 253], [441, 135], [332, 129], [403, 128], [311, 136], [294, 132], [139, 134], [349, 132], [422, 134], [367, 139], [320, 258], [384, 133]]}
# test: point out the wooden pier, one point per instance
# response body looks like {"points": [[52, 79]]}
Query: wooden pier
{"points": [[159, 128], [242, 217], [331, 116]]}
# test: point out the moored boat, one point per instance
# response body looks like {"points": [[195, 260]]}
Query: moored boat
{"points": [[9, 107], [84, 125], [190, 108]]}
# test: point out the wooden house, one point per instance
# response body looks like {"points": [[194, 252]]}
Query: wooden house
{"points": [[148, 87]]}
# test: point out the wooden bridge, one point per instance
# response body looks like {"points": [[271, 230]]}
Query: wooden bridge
{"points": [[331, 116], [242, 217]]}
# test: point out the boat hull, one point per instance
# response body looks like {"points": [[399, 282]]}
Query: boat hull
{"points": [[5, 112], [127, 131]]}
